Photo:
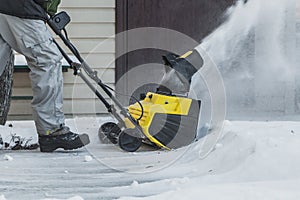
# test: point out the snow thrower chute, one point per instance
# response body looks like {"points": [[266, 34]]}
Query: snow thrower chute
{"points": [[165, 118]]}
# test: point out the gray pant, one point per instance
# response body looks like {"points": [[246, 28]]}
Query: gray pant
{"points": [[32, 39]]}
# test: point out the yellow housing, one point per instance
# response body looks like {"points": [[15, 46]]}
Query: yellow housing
{"points": [[155, 104]]}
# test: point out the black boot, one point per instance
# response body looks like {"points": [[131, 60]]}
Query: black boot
{"points": [[66, 141]]}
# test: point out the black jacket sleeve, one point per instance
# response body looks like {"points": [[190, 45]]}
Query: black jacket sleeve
{"points": [[41, 2]]}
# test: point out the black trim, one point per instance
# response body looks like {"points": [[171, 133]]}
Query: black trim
{"points": [[168, 125], [25, 68], [21, 97], [175, 131]]}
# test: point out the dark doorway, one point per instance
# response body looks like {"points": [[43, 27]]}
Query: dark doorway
{"points": [[194, 18]]}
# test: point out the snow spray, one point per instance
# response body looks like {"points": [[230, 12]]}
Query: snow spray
{"points": [[255, 51]]}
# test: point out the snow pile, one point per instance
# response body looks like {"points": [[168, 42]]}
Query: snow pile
{"points": [[88, 158], [8, 157], [285, 190], [253, 160], [72, 198], [17, 132]]}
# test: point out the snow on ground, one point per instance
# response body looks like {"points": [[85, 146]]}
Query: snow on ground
{"points": [[252, 160]]}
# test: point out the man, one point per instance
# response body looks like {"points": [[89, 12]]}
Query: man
{"points": [[23, 29]]}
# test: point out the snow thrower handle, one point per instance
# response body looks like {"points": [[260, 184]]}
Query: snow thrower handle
{"points": [[58, 23]]}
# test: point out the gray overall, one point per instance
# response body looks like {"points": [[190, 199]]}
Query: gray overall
{"points": [[32, 39]]}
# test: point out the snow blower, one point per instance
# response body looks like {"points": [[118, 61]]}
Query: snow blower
{"points": [[166, 118]]}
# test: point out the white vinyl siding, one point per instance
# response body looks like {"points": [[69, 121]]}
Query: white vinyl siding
{"points": [[92, 32]]}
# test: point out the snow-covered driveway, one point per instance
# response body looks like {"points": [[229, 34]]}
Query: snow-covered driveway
{"points": [[252, 160]]}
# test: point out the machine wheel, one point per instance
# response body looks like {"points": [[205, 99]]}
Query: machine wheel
{"points": [[128, 142], [109, 133], [6, 82]]}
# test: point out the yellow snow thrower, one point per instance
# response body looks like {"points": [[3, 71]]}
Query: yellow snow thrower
{"points": [[166, 118], [167, 121]]}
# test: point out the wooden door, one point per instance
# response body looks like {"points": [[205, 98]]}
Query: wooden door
{"points": [[194, 18]]}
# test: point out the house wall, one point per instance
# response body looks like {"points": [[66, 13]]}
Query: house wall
{"points": [[92, 31]]}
